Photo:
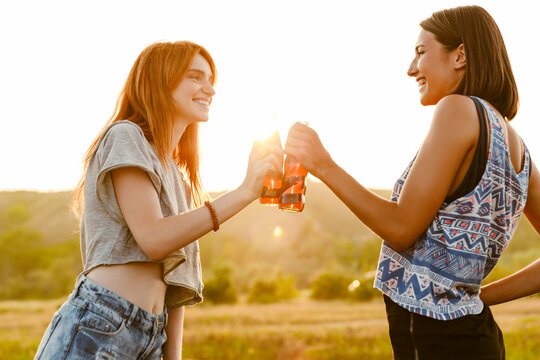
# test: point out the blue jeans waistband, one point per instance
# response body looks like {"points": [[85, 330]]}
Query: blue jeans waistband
{"points": [[93, 292]]}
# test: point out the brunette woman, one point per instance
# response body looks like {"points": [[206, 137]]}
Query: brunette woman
{"points": [[456, 206]]}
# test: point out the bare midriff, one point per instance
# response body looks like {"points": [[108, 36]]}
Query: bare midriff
{"points": [[141, 283]]}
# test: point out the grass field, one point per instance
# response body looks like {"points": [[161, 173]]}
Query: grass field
{"points": [[300, 329]]}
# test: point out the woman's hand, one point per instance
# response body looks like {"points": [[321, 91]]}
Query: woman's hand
{"points": [[264, 157], [305, 145]]}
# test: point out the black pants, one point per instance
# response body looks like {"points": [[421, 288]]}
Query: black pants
{"points": [[420, 337]]}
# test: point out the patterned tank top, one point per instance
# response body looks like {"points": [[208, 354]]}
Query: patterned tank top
{"points": [[440, 275]]}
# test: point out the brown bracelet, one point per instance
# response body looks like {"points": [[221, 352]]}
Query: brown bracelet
{"points": [[213, 215]]}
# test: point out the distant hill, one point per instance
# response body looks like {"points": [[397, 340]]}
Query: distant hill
{"points": [[260, 242], [50, 214]]}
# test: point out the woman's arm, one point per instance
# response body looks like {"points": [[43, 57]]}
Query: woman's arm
{"points": [[172, 350], [527, 280], [158, 236], [522, 283], [453, 134]]}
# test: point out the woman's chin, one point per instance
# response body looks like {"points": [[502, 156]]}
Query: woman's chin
{"points": [[426, 101]]}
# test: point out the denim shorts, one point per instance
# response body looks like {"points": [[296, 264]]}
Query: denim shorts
{"points": [[96, 323]]}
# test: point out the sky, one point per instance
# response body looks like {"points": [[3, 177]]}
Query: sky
{"points": [[338, 65]]}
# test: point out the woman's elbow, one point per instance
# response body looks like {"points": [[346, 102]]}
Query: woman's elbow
{"points": [[155, 254], [400, 239], [148, 245]]}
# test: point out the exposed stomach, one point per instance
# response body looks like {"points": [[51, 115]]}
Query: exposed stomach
{"points": [[141, 283]]}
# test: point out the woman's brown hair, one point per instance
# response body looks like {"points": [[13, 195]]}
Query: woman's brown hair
{"points": [[146, 100], [488, 72]]}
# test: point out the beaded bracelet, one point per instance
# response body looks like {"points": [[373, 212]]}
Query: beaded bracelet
{"points": [[213, 215]]}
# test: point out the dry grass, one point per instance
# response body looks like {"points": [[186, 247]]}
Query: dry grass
{"points": [[300, 329]]}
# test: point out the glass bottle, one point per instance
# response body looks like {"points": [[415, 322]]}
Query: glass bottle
{"points": [[294, 189], [273, 180]]}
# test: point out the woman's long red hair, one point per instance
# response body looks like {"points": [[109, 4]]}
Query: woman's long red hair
{"points": [[146, 100]]}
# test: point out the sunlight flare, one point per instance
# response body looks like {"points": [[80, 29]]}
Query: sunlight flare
{"points": [[354, 285], [278, 232]]}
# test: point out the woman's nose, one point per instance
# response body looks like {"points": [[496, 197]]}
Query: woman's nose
{"points": [[209, 89], [412, 69]]}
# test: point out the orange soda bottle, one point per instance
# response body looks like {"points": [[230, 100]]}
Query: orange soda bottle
{"points": [[293, 196], [273, 180]]}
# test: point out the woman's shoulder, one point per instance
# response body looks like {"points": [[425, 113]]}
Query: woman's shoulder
{"points": [[124, 138], [124, 132], [457, 114], [458, 104], [124, 127]]}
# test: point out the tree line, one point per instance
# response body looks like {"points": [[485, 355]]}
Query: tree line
{"points": [[244, 261]]}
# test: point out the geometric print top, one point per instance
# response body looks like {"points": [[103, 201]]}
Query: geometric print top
{"points": [[440, 275]]}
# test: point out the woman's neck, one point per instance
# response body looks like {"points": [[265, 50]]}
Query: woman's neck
{"points": [[178, 131]]}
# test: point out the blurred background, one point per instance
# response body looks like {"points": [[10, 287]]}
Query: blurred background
{"points": [[277, 285]]}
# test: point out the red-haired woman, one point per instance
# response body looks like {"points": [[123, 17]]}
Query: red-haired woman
{"points": [[141, 218], [455, 208]]}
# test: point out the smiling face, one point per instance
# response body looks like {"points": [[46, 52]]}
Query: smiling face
{"points": [[437, 71], [193, 95]]}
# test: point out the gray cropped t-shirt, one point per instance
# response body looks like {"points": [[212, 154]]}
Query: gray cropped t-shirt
{"points": [[105, 236]]}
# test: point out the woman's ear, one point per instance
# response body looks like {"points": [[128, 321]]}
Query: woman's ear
{"points": [[461, 61]]}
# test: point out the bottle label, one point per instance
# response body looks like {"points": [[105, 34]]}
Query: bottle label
{"points": [[292, 198], [271, 193]]}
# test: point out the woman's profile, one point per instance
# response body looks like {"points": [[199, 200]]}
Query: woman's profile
{"points": [[142, 212], [458, 203]]}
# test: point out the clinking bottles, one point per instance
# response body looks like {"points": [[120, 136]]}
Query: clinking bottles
{"points": [[285, 189]]}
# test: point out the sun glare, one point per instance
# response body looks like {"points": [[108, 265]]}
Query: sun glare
{"points": [[278, 232], [354, 285], [267, 128]]}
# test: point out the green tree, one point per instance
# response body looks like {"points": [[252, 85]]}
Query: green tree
{"points": [[362, 288], [271, 291], [16, 216], [219, 289], [329, 286], [28, 267]]}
